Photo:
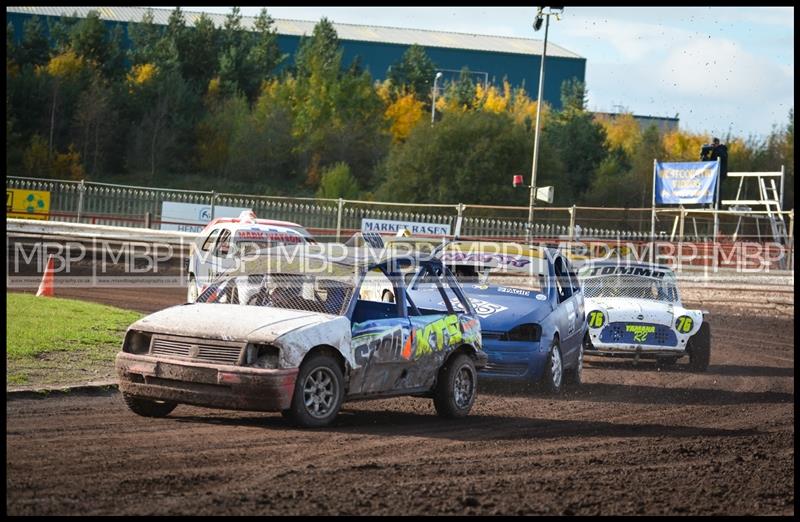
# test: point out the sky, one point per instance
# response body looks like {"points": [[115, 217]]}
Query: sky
{"points": [[719, 69]]}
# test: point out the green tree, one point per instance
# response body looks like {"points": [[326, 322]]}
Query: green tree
{"points": [[202, 62], [265, 54], [162, 139], [90, 40], [94, 122], [461, 93], [34, 48], [145, 37], [650, 148], [216, 134], [580, 142], [320, 54], [237, 71], [271, 160], [467, 157], [338, 182], [574, 95], [415, 71], [61, 32]]}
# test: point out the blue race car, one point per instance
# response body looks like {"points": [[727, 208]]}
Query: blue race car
{"points": [[530, 306]]}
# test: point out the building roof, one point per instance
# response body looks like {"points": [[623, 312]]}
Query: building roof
{"points": [[637, 116], [363, 33]]}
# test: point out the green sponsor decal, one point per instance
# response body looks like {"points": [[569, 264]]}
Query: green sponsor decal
{"points": [[640, 332]]}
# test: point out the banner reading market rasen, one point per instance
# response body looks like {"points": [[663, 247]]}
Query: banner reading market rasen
{"points": [[689, 183]]}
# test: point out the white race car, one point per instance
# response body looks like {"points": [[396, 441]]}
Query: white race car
{"points": [[225, 240], [633, 309]]}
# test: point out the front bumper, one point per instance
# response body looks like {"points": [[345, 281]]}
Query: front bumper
{"points": [[635, 350], [513, 360], [212, 386]]}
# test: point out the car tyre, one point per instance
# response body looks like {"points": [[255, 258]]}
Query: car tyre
{"points": [[553, 380], [699, 348], [575, 375], [456, 387], [148, 407], [318, 392]]}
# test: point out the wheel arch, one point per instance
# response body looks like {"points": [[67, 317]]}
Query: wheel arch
{"points": [[328, 350]]}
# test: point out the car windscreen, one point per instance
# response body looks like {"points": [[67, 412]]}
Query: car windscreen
{"points": [[631, 287], [314, 293]]}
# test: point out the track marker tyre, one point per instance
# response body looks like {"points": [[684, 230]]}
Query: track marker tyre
{"points": [[148, 407], [456, 387]]}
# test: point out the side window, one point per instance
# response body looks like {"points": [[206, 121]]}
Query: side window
{"points": [[563, 283], [576, 286], [209, 242], [377, 287], [223, 244]]}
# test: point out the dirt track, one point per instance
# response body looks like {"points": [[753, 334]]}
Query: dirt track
{"points": [[631, 440]]}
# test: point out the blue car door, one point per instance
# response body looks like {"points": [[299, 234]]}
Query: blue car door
{"points": [[568, 310]]}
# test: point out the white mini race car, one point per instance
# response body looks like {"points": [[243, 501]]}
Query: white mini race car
{"points": [[633, 309], [225, 241]]}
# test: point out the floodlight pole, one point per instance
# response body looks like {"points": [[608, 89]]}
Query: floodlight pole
{"points": [[433, 101], [536, 131]]}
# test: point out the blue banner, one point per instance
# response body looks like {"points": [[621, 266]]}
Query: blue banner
{"points": [[686, 183]]}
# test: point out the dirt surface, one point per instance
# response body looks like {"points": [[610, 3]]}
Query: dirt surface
{"points": [[631, 440]]}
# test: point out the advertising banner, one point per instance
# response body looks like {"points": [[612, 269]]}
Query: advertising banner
{"points": [[690, 183], [27, 204], [191, 217], [416, 228]]}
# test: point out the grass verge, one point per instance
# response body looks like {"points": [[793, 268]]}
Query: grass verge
{"points": [[53, 341]]}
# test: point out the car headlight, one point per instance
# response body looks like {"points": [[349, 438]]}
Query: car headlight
{"points": [[262, 356], [595, 319], [684, 324], [137, 342], [529, 332]]}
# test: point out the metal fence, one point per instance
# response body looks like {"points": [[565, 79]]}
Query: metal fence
{"points": [[121, 205]]}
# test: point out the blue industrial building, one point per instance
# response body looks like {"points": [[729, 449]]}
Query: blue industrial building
{"points": [[489, 58]]}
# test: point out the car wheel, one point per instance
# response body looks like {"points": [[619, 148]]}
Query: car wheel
{"points": [[575, 375], [318, 392], [699, 348], [553, 379], [456, 387], [191, 292], [148, 407]]}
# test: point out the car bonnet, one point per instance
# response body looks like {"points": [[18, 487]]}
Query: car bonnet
{"points": [[229, 322]]}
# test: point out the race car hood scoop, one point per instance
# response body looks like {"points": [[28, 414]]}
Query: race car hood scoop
{"points": [[228, 322]]}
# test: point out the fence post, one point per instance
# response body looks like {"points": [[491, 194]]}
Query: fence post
{"points": [[791, 240], [680, 239], [459, 220], [339, 220], [147, 219], [81, 190], [572, 222], [213, 203]]}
